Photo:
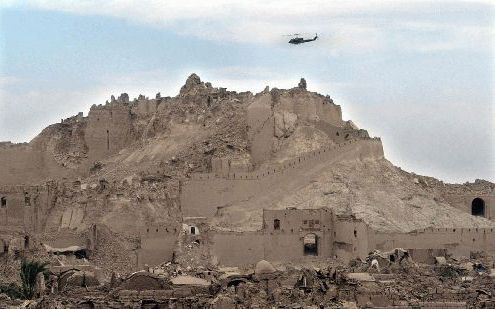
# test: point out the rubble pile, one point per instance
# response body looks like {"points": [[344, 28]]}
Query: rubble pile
{"points": [[450, 281]]}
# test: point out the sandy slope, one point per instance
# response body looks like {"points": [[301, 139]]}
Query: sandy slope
{"points": [[384, 196]]}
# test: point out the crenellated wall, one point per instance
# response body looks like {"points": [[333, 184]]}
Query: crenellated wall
{"points": [[204, 194], [343, 237], [458, 241], [282, 238]]}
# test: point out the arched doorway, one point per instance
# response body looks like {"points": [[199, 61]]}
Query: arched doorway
{"points": [[478, 207], [310, 244]]}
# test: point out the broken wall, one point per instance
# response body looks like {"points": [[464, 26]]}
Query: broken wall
{"points": [[145, 108], [23, 207], [261, 122], [157, 245], [309, 106], [351, 238], [109, 129]]}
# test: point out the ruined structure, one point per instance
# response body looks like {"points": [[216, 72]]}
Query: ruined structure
{"points": [[215, 177]]}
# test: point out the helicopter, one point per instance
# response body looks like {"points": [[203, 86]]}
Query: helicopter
{"points": [[299, 40]]}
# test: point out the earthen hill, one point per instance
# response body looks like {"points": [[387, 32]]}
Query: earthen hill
{"points": [[213, 176]]}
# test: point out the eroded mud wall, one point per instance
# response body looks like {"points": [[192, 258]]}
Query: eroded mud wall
{"points": [[23, 208], [233, 249], [204, 194], [157, 245], [108, 130], [24, 164], [458, 241]]}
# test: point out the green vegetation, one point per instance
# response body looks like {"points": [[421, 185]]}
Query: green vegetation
{"points": [[29, 270]]}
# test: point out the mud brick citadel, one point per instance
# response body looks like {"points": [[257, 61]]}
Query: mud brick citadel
{"points": [[213, 180]]}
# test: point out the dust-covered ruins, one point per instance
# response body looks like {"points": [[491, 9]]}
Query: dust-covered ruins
{"points": [[219, 199]]}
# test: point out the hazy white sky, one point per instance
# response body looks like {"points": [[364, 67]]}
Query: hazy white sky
{"points": [[417, 73]]}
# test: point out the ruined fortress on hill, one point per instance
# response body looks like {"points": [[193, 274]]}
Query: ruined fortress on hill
{"points": [[277, 175]]}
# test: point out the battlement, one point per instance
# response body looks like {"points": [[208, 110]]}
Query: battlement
{"points": [[157, 230], [109, 106], [283, 167], [454, 231], [22, 188], [74, 119], [205, 194], [9, 145]]}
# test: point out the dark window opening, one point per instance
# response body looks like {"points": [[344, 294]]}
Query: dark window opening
{"points": [[26, 242], [311, 244], [338, 134], [478, 207], [3, 202], [276, 224], [27, 200], [108, 140], [81, 254], [392, 258], [305, 221], [194, 230], [355, 233]]}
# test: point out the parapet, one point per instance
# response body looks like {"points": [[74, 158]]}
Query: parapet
{"points": [[22, 188], [316, 155], [10, 145]]}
